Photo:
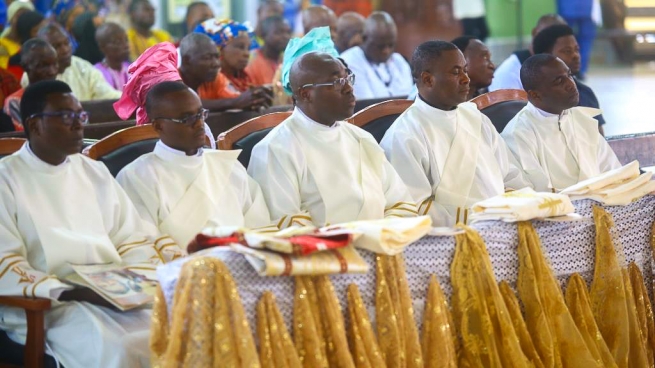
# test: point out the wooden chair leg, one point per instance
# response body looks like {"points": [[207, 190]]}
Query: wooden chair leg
{"points": [[35, 342]]}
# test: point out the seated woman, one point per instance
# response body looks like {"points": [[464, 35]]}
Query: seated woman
{"points": [[234, 41]]}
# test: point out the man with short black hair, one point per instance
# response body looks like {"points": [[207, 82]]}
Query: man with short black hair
{"points": [[39, 60], [480, 68], [264, 62], [203, 187], [380, 71], [141, 35], [556, 143], [559, 40], [196, 13], [447, 152], [61, 208]]}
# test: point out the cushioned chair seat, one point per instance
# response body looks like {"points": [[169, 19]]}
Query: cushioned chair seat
{"points": [[501, 113], [118, 159], [247, 143], [12, 353], [379, 127]]}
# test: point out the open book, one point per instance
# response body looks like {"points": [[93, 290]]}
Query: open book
{"points": [[121, 287]]}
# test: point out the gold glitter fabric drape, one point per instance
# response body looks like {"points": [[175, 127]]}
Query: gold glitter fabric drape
{"points": [[396, 327], [319, 332], [637, 356], [512, 304], [276, 348], [577, 300], [554, 333], [644, 312], [439, 339], [479, 313], [363, 343], [208, 326]]}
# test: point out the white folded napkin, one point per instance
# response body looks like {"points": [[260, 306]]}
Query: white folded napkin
{"points": [[522, 205]]}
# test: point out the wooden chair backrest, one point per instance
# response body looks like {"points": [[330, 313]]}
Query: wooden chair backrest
{"points": [[10, 145], [119, 139], [227, 139], [379, 110], [502, 95]]}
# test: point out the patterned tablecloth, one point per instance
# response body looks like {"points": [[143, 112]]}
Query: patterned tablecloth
{"points": [[569, 246]]}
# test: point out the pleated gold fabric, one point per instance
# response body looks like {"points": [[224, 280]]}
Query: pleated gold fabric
{"points": [[577, 300], [208, 326], [607, 295], [396, 327], [556, 337], [644, 312], [512, 304], [479, 312], [439, 339], [637, 356], [276, 348], [319, 332], [363, 343]]}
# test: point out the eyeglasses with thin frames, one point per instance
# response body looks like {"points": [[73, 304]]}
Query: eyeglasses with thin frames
{"points": [[67, 117], [337, 84], [190, 120]]}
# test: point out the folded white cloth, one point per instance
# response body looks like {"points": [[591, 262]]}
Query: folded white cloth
{"points": [[620, 175], [522, 205]]}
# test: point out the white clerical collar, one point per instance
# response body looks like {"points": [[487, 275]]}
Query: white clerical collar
{"points": [[35, 162], [311, 122], [541, 112], [171, 154], [424, 106]]}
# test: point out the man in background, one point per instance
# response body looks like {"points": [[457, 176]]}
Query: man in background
{"points": [[276, 32], [350, 31], [141, 35], [480, 68], [196, 13]]}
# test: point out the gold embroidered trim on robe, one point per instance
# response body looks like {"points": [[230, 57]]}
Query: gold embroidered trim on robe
{"points": [[553, 330], [512, 304], [644, 312], [479, 312], [363, 343], [276, 348], [208, 326], [439, 339], [319, 331], [396, 327], [637, 356]]}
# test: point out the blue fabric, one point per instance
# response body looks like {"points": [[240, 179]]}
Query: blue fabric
{"points": [[585, 33], [317, 40], [588, 99], [574, 8], [3, 13], [221, 31]]}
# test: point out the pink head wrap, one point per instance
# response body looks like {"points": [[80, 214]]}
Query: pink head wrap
{"points": [[157, 64]]}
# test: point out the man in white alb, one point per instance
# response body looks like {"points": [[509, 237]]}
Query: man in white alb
{"points": [[315, 162], [59, 207], [447, 152], [182, 188], [556, 143], [380, 71]]}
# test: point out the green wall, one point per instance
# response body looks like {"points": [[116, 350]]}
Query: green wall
{"points": [[502, 15]]}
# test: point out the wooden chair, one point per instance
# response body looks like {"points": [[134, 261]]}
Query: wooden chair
{"points": [[122, 147], [501, 106], [247, 134], [377, 118], [33, 353]]}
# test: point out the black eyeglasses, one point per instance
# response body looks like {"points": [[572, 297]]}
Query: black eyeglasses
{"points": [[190, 120], [337, 84], [67, 117]]}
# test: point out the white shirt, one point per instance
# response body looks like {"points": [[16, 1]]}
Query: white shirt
{"points": [[422, 145], [468, 9], [557, 151], [336, 174], [183, 194], [86, 82], [507, 75], [389, 79]]}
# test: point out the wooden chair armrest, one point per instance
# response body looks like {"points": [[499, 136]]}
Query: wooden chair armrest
{"points": [[30, 304], [34, 311]]}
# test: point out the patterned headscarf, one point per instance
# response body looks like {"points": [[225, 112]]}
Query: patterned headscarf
{"points": [[221, 31], [317, 40]]}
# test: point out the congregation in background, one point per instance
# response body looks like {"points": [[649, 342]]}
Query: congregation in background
{"points": [[438, 160]]}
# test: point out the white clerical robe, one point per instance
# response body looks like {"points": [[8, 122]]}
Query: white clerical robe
{"points": [[183, 194], [74, 212], [335, 173], [389, 79], [449, 159], [557, 151]]}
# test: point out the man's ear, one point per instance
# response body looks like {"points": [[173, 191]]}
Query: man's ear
{"points": [[32, 126], [157, 125], [427, 79], [534, 95], [304, 94]]}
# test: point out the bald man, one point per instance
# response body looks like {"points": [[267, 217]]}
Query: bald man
{"points": [[316, 163], [556, 143], [319, 16], [350, 31], [380, 71], [507, 75]]}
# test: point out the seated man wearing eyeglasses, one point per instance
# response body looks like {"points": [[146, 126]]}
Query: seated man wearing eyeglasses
{"points": [[181, 187], [61, 208], [315, 162], [447, 152]]}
